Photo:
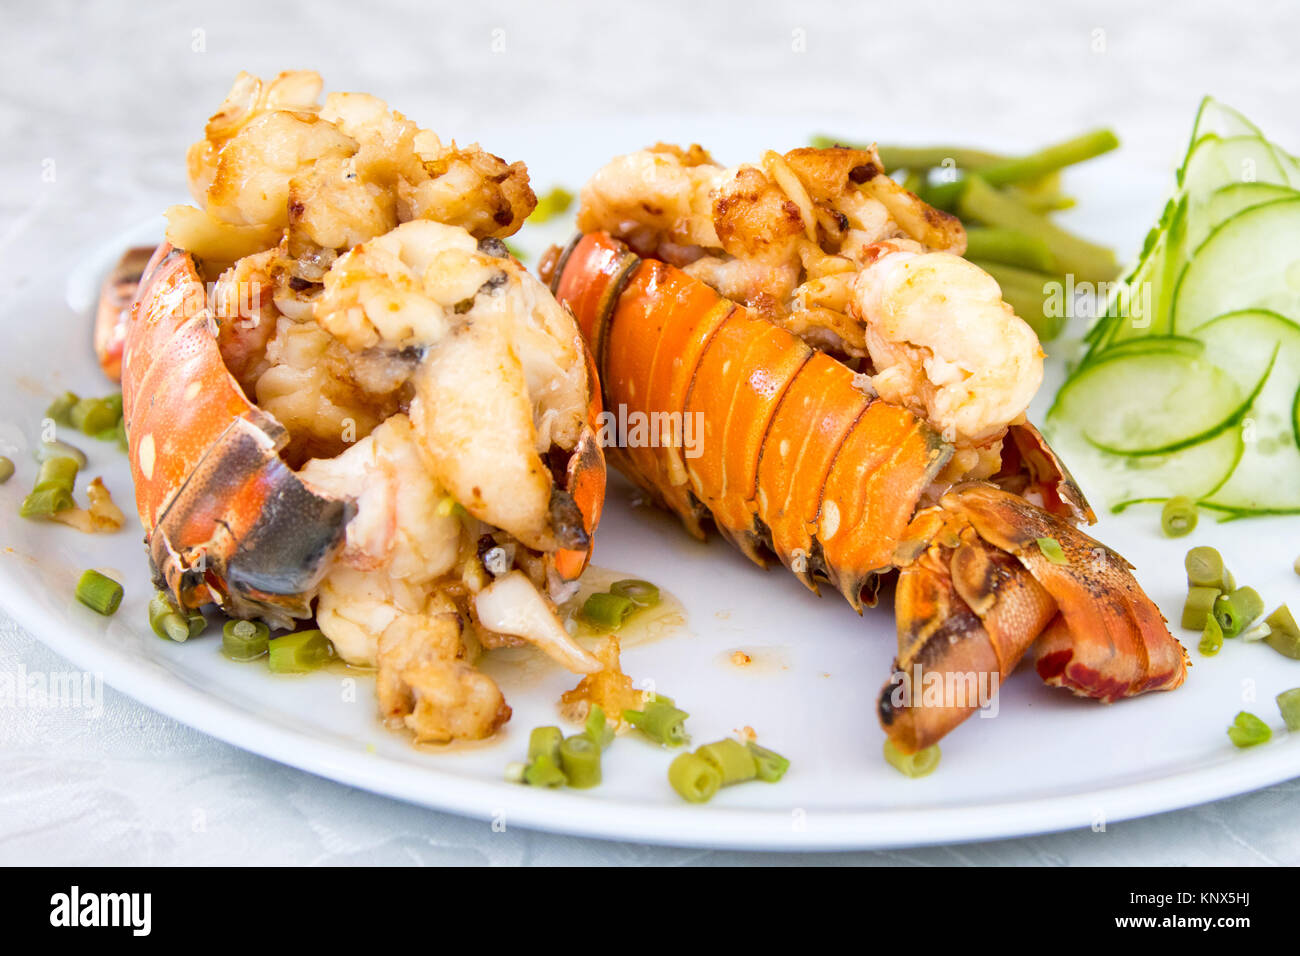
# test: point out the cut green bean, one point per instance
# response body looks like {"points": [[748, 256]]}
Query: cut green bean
{"points": [[944, 194], [244, 640], [1029, 294], [56, 449], [1205, 569], [99, 592], [662, 723], [60, 410], [299, 653], [1247, 730], [607, 610], [93, 415], [694, 778], [1198, 607], [918, 764], [545, 740], [640, 593], [1178, 517], [58, 472], [553, 204], [1288, 702], [544, 771], [6, 469], [771, 765], [46, 503], [1008, 246], [1236, 609], [732, 760], [919, 157], [1049, 159], [166, 621], [1283, 635], [1051, 549], [580, 761], [597, 727], [1211, 637], [1086, 261]]}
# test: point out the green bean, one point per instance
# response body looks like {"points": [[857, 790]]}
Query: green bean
{"points": [[945, 194], [920, 157], [918, 764], [731, 759], [544, 771], [1237, 609], [1199, 606], [1288, 702], [1205, 569], [640, 593], [59, 472], [1247, 730], [662, 723], [694, 778], [60, 409], [6, 469], [1049, 159], [580, 761], [45, 503], [1178, 517], [597, 727], [99, 592], [244, 640], [93, 415], [1028, 293], [771, 765], [1051, 549], [607, 610], [166, 621], [1283, 635], [1008, 246], [1211, 637], [554, 203], [1087, 261], [57, 449], [299, 652], [915, 181], [545, 740]]}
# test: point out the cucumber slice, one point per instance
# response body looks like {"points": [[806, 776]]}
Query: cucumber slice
{"points": [[1225, 202], [1148, 402], [1252, 261], [1215, 118], [1215, 163], [1267, 479]]}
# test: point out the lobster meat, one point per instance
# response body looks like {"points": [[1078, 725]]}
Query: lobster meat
{"points": [[822, 446], [394, 432]]}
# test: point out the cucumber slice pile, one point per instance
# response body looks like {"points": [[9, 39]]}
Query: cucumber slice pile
{"points": [[1190, 384]]}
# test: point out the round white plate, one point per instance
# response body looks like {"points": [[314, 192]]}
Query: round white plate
{"points": [[1045, 761]]}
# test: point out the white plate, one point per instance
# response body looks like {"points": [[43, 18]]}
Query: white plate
{"points": [[1046, 761]]}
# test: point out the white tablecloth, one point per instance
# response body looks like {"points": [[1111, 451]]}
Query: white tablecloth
{"points": [[111, 92]]}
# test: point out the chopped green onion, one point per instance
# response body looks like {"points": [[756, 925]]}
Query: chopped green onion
{"points": [[515, 771], [731, 759], [608, 610], [1051, 549], [195, 621], [114, 402], [1289, 703], [93, 415], [299, 652], [1247, 730], [59, 448], [544, 771], [1283, 635], [1205, 569], [1211, 637], [771, 765], [61, 408], [554, 203], [597, 727], [640, 593], [1198, 607], [6, 469], [580, 761], [166, 621], [57, 472], [244, 640], [694, 778], [1178, 517], [1237, 609], [662, 723], [99, 592], [47, 502], [912, 765], [545, 740]]}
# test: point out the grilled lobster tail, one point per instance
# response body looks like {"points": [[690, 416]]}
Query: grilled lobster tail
{"points": [[797, 461]]}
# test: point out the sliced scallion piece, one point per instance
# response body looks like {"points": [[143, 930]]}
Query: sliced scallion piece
{"points": [[1288, 702], [1205, 569], [544, 771], [694, 778], [662, 723], [771, 765], [1247, 730], [47, 502], [1211, 637], [1199, 606], [1283, 635], [244, 640], [640, 593], [607, 610], [166, 621], [597, 727], [1237, 609], [99, 592], [1178, 517], [580, 761], [545, 740], [918, 764], [60, 409], [299, 652], [731, 759]]}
